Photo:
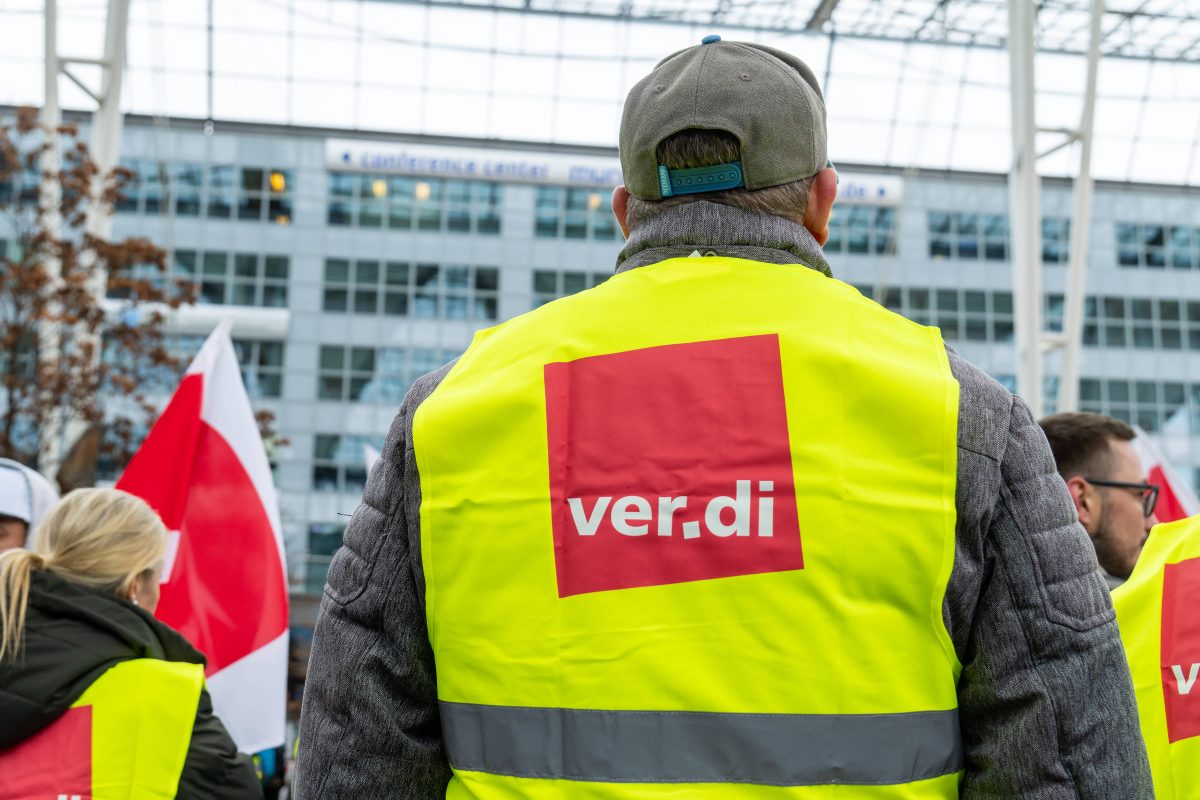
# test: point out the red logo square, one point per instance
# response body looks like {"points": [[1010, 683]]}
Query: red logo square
{"points": [[1181, 649], [670, 464], [57, 762]]}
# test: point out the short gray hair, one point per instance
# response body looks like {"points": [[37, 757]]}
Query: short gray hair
{"points": [[702, 148]]}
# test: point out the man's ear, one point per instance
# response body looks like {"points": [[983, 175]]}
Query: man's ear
{"points": [[620, 207], [1087, 502], [820, 204]]}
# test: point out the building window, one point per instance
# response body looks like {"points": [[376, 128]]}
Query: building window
{"points": [[143, 191], [22, 188], [401, 202], [222, 191], [862, 230], [265, 193], [378, 376], [427, 291], [187, 185], [1158, 246], [1152, 405], [238, 279], [339, 462], [344, 372], [562, 213], [971, 315], [218, 191], [324, 539], [1056, 240], [1141, 323], [262, 366], [552, 284], [985, 237], [19, 360], [1053, 311]]}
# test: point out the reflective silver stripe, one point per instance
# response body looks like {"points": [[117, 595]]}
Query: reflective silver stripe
{"points": [[702, 747]]}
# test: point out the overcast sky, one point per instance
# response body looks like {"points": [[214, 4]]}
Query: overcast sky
{"points": [[404, 67]]}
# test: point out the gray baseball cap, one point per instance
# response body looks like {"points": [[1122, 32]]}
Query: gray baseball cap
{"points": [[770, 100]]}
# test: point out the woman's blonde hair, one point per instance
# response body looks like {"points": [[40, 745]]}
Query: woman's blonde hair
{"points": [[100, 538]]}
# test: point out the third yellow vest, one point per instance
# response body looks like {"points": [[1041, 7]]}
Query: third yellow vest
{"points": [[1159, 617], [688, 534], [127, 736]]}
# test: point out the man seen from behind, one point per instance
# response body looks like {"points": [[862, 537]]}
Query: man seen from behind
{"points": [[719, 527]]}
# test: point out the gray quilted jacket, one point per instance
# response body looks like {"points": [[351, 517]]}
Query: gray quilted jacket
{"points": [[1046, 706]]}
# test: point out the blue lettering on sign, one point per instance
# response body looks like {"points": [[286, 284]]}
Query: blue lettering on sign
{"points": [[594, 176], [518, 170], [403, 162], [860, 191]]}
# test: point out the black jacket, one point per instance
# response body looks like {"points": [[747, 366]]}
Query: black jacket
{"points": [[72, 635]]}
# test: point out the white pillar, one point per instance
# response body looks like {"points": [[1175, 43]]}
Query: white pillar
{"points": [[1025, 206], [108, 122], [49, 343], [106, 138], [1081, 224]]}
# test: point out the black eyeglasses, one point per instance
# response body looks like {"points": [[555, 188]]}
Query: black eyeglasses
{"points": [[1148, 491]]}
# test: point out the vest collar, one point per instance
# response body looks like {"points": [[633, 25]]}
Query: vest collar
{"points": [[715, 229]]}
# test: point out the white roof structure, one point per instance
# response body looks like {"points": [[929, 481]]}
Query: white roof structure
{"points": [[910, 83]]}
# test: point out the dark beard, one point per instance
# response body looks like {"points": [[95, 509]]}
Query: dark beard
{"points": [[1106, 550]]}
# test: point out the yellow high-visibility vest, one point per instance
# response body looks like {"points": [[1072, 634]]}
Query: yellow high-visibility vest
{"points": [[1160, 625], [688, 534], [126, 736]]}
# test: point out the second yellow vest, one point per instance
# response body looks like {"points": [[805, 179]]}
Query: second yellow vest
{"points": [[1159, 617]]}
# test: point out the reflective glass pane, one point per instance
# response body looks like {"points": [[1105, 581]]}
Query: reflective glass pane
{"points": [[366, 272], [396, 274], [337, 270]]}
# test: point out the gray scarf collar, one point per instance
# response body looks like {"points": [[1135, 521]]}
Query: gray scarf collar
{"points": [[715, 229]]}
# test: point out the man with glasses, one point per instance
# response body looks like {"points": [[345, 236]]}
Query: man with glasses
{"points": [[1104, 475]]}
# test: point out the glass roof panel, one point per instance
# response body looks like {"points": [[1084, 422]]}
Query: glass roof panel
{"points": [[912, 83]]}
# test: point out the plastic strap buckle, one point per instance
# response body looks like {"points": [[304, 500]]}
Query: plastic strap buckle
{"points": [[715, 178]]}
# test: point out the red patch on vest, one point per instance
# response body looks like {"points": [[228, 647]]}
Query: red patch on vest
{"points": [[1181, 649], [671, 464], [56, 763]]}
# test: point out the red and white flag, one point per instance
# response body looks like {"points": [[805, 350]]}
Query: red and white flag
{"points": [[1176, 500], [204, 469]]}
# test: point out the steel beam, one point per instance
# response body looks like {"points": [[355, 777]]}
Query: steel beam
{"points": [[987, 39], [1024, 190], [107, 123], [1081, 226], [823, 14]]}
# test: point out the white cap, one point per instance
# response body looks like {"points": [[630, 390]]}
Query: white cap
{"points": [[24, 494]]}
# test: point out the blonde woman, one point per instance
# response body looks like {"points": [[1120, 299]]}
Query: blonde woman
{"points": [[97, 697]]}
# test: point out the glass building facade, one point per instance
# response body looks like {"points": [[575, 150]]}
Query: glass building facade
{"points": [[352, 264]]}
